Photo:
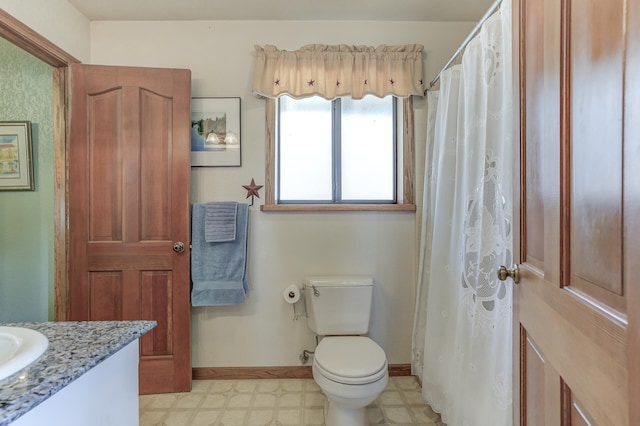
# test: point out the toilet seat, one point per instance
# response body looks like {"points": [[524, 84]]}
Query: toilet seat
{"points": [[352, 360]]}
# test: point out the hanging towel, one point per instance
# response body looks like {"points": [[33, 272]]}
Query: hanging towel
{"points": [[220, 221], [219, 270]]}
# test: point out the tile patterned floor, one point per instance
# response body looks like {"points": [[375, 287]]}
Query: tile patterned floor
{"points": [[281, 402]]}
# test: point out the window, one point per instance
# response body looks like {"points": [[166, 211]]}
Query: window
{"points": [[339, 155], [332, 72], [340, 151]]}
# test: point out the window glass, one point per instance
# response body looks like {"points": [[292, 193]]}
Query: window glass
{"points": [[368, 149], [305, 151]]}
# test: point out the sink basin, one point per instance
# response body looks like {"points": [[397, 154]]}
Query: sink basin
{"points": [[19, 347]]}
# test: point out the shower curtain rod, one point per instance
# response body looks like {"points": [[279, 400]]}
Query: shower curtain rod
{"points": [[466, 41]]}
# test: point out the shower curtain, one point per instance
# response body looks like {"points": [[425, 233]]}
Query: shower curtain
{"points": [[462, 331]]}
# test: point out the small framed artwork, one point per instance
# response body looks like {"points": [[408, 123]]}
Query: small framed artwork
{"points": [[215, 132], [16, 161]]}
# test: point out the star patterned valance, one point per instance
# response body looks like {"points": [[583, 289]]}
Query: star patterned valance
{"points": [[333, 71]]}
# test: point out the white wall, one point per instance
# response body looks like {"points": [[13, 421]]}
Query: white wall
{"points": [[284, 247], [56, 20]]}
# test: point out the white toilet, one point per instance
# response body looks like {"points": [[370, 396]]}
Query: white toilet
{"points": [[351, 369]]}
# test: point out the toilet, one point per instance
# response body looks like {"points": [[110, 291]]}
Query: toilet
{"points": [[350, 368]]}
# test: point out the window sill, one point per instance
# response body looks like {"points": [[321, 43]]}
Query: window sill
{"points": [[337, 207]]}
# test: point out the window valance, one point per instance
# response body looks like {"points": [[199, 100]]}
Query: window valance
{"points": [[332, 71]]}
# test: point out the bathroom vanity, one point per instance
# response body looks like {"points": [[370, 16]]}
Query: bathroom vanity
{"points": [[87, 376]]}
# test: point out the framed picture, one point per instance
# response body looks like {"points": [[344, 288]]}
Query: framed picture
{"points": [[215, 132], [16, 161]]}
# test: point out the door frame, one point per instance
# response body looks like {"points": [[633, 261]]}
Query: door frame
{"points": [[27, 39]]}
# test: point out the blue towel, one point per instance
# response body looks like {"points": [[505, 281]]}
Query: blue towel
{"points": [[220, 221], [219, 270]]}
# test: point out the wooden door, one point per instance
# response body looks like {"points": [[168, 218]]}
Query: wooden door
{"points": [[129, 169], [577, 307]]}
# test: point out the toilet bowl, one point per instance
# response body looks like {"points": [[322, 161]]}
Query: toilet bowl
{"points": [[351, 371]]}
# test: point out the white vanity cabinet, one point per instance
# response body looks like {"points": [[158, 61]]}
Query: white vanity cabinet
{"points": [[87, 376]]}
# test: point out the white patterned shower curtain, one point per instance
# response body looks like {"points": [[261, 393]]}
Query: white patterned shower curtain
{"points": [[462, 331]]}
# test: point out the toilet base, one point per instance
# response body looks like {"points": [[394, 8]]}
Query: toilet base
{"points": [[347, 403], [336, 415]]}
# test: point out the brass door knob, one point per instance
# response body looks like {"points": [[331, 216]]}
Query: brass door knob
{"points": [[178, 247], [514, 273]]}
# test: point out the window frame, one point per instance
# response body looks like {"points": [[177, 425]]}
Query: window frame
{"points": [[404, 169]]}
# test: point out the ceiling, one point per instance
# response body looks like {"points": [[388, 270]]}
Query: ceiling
{"points": [[301, 10]]}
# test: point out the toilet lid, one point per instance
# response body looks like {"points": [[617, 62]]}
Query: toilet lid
{"points": [[349, 358]]}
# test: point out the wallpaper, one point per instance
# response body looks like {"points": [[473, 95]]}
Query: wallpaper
{"points": [[26, 217]]}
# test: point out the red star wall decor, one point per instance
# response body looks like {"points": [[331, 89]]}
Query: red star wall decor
{"points": [[252, 189]]}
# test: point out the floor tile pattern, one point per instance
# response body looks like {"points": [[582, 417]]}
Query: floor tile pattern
{"points": [[278, 402]]}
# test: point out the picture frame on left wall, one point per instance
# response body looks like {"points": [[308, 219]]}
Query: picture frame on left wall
{"points": [[215, 132], [16, 158]]}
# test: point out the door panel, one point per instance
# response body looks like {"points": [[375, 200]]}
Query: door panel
{"points": [[534, 381], [105, 296], [128, 203], [577, 351], [156, 303], [155, 170], [104, 154], [596, 55], [541, 34]]}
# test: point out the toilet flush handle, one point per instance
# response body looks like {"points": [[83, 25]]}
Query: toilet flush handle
{"points": [[316, 292]]}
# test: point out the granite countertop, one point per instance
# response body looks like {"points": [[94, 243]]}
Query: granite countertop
{"points": [[74, 348]]}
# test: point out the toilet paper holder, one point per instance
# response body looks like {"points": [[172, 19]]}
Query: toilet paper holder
{"points": [[302, 314], [296, 300]]}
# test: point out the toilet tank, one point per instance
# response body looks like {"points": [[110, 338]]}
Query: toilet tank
{"points": [[338, 305]]}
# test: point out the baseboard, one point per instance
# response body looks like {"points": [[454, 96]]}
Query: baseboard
{"points": [[217, 373], [298, 372], [400, 370]]}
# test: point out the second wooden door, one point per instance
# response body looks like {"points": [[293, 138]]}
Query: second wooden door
{"points": [[128, 205]]}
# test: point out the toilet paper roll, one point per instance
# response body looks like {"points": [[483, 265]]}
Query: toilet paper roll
{"points": [[291, 294]]}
